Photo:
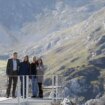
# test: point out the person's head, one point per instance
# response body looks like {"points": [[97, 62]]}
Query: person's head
{"points": [[40, 62], [15, 54], [26, 58], [34, 59]]}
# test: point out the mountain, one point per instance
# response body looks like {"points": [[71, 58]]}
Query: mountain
{"points": [[61, 16], [69, 36], [78, 55], [64, 14], [26, 19], [15, 13], [7, 40]]}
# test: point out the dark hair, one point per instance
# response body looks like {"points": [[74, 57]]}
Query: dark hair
{"points": [[27, 58], [15, 53], [40, 60]]}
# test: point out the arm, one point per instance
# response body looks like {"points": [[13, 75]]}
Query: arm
{"points": [[29, 73], [43, 67], [19, 70], [31, 69], [18, 67], [8, 67]]}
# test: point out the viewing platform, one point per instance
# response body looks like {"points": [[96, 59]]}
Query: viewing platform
{"points": [[51, 94]]}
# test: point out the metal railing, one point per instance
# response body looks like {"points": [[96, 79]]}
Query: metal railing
{"points": [[52, 90]]}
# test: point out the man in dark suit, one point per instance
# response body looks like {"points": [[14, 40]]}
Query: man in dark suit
{"points": [[12, 73]]}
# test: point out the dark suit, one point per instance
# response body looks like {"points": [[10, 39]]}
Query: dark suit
{"points": [[12, 76]]}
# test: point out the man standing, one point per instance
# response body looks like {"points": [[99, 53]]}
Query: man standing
{"points": [[12, 73]]}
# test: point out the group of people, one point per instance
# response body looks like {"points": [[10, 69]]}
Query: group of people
{"points": [[34, 71]]}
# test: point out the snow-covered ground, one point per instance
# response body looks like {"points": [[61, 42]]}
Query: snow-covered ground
{"points": [[11, 101]]}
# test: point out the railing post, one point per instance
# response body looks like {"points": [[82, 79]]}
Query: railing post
{"points": [[56, 87], [27, 86], [18, 93], [23, 87], [52, 80], [53, 87]]}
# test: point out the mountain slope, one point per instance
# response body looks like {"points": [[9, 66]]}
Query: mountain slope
{"points": [[77, 53], [65, 14], [7, 40], [83, 37]]}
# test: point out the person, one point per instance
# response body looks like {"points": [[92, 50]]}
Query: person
{"points": [[12, 72], [40, 74], [24, 70], [34, 79]]}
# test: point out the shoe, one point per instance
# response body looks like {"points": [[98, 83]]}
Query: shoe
{"points": [[40, 96], [13, 96], [24, 96], [7, 96], [33, 96]]}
